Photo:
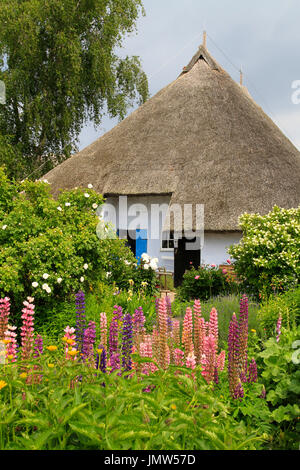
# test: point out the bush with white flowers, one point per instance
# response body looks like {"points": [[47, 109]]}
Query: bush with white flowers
{"points": [[267, 257], [49, 247]]}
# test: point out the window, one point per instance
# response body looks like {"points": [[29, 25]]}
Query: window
{"points": [[167, 241]]}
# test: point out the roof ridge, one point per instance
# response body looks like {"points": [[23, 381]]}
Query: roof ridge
{"points": [[203, 54]]}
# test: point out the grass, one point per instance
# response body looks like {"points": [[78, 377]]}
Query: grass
{"points": [[225, 306]]}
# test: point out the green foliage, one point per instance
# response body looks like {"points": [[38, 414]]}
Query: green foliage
{"points": [[49, 248], [203, 283], [225, 306], [267, 257], [104, 411], [287, 305], [59, 63], [11, 156], [281, 376]]}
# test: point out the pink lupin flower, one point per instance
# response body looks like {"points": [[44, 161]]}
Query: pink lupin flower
{"points": [[178, 357], [221, 361], [213, 326], [176, 332], [163, 350], [209, 358], [27, 329], [103, 330], [191, 361], [4, 315], [278, 328], [199, 331], [187, 333], [11, 348]]}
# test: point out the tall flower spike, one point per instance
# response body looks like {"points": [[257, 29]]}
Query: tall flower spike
{"points": [[199, 331], [80, 319], [113, 336], [213, 326], [209, 358], [278, 328], [233, 354], [188, 332], [38, 346], [11, 348], [127, 342], [27, 329], [101, 359], [4, 315], [252, 372], [163, 350], [88, 343], [243, 335], [169, 313], [103, 329], [118, 312], [138, 326]]}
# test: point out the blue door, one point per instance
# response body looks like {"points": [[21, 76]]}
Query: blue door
{"points": [[141, 243]]}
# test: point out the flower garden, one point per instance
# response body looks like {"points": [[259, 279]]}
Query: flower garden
{"points": [[93, 358]]}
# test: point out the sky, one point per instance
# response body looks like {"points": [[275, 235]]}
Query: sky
{"points": [[260, 36]]}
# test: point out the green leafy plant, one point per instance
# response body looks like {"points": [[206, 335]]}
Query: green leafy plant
{"points": [[281, 377], [267, 257], [202, 283], [287, 305]]}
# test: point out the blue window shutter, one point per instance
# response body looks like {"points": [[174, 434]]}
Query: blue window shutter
{"points": [[141, 243]]}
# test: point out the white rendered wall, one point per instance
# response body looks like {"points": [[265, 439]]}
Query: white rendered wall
{"points": [[165, 257], [215, 246]]}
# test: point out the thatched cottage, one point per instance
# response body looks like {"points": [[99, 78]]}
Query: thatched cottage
{"points": [[201, 140]]}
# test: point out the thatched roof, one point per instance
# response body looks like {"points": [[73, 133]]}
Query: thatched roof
{"points": [[202, 139]]}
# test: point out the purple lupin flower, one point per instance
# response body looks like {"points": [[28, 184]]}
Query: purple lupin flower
{"points": [[89, 341], [38, 346], [80, 319], [115, 362], [243, 335], [118, 312], [238, 392], [127, 342], [113, 336], [252, 372], [101, 359], [138, 321], [233, 354]]}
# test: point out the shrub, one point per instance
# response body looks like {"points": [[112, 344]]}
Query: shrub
{"points": [[281, 377], [287, 305], [49, 248], [202, 283], [267, 257]]}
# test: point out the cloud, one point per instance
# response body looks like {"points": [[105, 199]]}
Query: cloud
{"points": [[262, 37]]}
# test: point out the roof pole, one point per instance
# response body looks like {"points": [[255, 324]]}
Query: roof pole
{"points": [[241, 77], [204, 39]]}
